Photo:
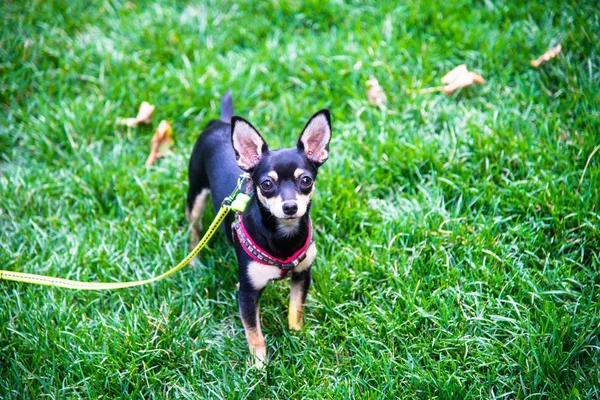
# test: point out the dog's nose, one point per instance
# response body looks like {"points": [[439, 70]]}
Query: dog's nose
{"points": [[290, 208]]}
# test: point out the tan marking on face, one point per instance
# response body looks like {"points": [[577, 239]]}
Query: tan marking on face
{"points": [[303, 199], [273, 175], [275, 204], [298, 172]]}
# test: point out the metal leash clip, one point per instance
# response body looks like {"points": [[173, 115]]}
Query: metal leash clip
{"points": [[238, 200]]}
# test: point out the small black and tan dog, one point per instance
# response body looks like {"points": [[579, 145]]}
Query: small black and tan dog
{"points": [[273, 237]]}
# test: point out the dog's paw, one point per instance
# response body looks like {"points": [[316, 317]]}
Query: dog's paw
{"points": [[259, 357], [259, 363], [294, 318], [296, 327]]}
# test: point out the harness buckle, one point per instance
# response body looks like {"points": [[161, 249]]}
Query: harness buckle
{"points": [[288, 266]]}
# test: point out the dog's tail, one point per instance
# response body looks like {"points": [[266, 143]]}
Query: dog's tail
{"points": [[227, 107]]}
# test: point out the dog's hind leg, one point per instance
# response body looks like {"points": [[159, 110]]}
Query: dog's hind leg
{"points": [[194, 214]]}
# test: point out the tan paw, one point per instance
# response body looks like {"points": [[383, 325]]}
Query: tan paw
{"points": [[259, 355], [294, 319]]}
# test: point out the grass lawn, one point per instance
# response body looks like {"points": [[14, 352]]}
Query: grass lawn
{"points": [[458, 236]]}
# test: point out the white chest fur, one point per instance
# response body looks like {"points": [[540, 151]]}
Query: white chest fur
{"points": [[260, 274]]}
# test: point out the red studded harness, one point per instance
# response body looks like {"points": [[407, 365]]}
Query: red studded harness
{"points": [[258, 254]]}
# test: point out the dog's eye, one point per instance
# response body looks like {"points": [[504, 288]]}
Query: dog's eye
{"points": [[266, 185], [306, 181]]}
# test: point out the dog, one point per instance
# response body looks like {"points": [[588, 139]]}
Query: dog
{"points": [[273, 238]]}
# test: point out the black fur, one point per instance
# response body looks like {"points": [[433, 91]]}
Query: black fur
{"points": [[227, 107]]}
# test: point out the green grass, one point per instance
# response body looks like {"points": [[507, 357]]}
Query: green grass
{"points": [[458, 255]]}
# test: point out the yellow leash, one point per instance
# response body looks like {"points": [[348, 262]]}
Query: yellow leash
{"points": [[237, 202]]}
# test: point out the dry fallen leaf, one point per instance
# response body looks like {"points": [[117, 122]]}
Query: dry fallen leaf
{"points": [[376, 94], [144, 115], [161, 141], [553, 52], [460, 77]]}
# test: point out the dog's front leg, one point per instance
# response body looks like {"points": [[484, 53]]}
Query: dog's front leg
{"points": [[249, 311], [299, 289]]}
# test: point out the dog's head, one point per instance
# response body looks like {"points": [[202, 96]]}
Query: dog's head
{"points": [[284, 178]]}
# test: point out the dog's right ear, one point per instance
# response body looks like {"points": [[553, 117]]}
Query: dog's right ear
{"points": [[249, 146]]}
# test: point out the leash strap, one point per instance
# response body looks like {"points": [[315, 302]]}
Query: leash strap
{"points": [[237, 202]]}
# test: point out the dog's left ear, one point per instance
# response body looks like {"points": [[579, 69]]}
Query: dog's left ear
{"points": [[315, 137]]}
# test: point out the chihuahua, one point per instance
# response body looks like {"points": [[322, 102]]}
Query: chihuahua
{"points": [[273, 237]]}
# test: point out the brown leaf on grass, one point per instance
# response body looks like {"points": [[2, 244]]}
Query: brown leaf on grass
{"points": [[460, 77], [553, 52], [161, 141], [375, 94], [144, 115]]}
